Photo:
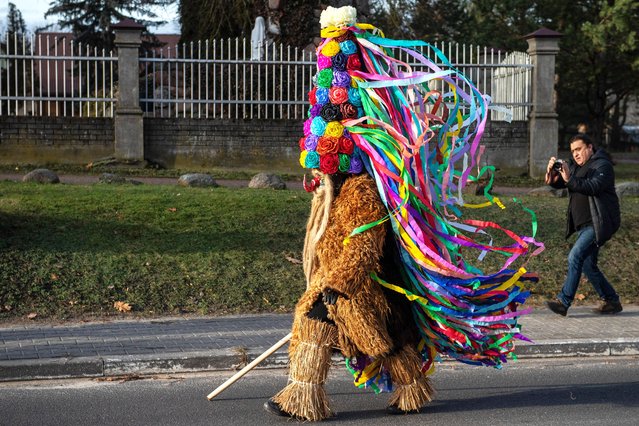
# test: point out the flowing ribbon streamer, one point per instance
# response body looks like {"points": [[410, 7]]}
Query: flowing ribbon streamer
{"points": [[418, 137]]}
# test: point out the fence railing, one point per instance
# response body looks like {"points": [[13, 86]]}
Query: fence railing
{"points": [[49, 74], [52, 75], [224, 79]]}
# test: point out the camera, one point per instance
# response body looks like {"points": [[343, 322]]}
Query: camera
{"points": [[557, 165]]}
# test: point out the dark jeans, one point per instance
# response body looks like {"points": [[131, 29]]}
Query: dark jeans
{"points": [[583, 258]]}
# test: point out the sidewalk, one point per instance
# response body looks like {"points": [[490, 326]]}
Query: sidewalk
{"points": [[174, 345]]}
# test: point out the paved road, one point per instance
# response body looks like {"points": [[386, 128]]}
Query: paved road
{"points": [[540, 392]]}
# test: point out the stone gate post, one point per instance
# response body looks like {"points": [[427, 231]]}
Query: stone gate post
{"points": [[129, 131], [543, 46]]}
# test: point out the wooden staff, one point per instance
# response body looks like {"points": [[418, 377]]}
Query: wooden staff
{"points": [[249, 367]]}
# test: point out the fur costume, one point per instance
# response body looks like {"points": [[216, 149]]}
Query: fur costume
{"points": [[364, 321], [387, 254]]}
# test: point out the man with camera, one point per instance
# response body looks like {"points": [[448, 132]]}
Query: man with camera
{"points": [[593, 213]]}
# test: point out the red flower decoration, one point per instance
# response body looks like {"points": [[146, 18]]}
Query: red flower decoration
{"points": [[329, 163], [302, 143], [311, 96], [327, 145], [338, 95], [345, 145], [353, 62]]}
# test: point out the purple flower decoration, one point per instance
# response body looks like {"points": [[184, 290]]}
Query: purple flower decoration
{"points": [[310, 143], [315, 110], [356, 165], [341, 79]]}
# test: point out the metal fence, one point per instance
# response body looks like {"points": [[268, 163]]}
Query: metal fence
{"points": [[49, 74], [227, 79], [52, 75]]}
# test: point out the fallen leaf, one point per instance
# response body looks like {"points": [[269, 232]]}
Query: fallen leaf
{"points": [[54, 277], [580, 296], [122, 306], [32, 315], [172, 209], [121, 379]]}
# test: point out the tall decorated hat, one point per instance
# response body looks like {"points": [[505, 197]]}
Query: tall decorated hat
{"points": [[327, 145]]}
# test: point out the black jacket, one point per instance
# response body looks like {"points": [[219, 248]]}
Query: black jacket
{"points": [[598, 184]]}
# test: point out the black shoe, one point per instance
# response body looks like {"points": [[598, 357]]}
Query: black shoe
{"points": [[557, 307], [394, 409], [608, 308], [274, 408]]}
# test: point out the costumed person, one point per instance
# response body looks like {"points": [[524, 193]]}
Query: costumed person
{"points": [[593, 214], [387, 283]]}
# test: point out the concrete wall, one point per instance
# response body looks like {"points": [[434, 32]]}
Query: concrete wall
{"points": [[197, 143], [506, 146], [50, 140], [192, 144]]}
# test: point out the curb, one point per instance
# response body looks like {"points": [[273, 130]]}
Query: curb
{"points": [[221, 360]]}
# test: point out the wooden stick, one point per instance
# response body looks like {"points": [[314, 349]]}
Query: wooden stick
{"points": [[249, 367]]}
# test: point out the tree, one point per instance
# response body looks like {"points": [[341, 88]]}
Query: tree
{"points": [[298, 19], [16, 71], [15, 21], [214, 19], [442, 20], [599, 65], [598, 62], [395, 17], [91, 20]]}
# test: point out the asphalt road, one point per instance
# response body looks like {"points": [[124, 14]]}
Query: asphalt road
{"points": [[578, 391]]}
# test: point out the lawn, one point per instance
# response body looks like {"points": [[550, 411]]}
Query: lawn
{"points": [[73, 251]]}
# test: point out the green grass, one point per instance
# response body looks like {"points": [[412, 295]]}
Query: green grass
{"points": [[66, 250], [71, 251]]}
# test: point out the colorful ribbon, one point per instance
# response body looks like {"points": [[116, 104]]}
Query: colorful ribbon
{"points": [[419, 138]]}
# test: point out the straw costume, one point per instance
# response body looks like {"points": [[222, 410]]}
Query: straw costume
{"points": [[389, 283]]}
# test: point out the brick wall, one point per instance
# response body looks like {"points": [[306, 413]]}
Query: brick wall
{"points": [[50, 140]]}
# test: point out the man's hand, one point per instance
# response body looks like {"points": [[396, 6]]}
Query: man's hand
{"points": [[550, 165], [551, 176], [564, 171]]}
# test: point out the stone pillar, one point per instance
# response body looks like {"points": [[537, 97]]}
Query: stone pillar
{"points": [[543, 46], [129, 133]]}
